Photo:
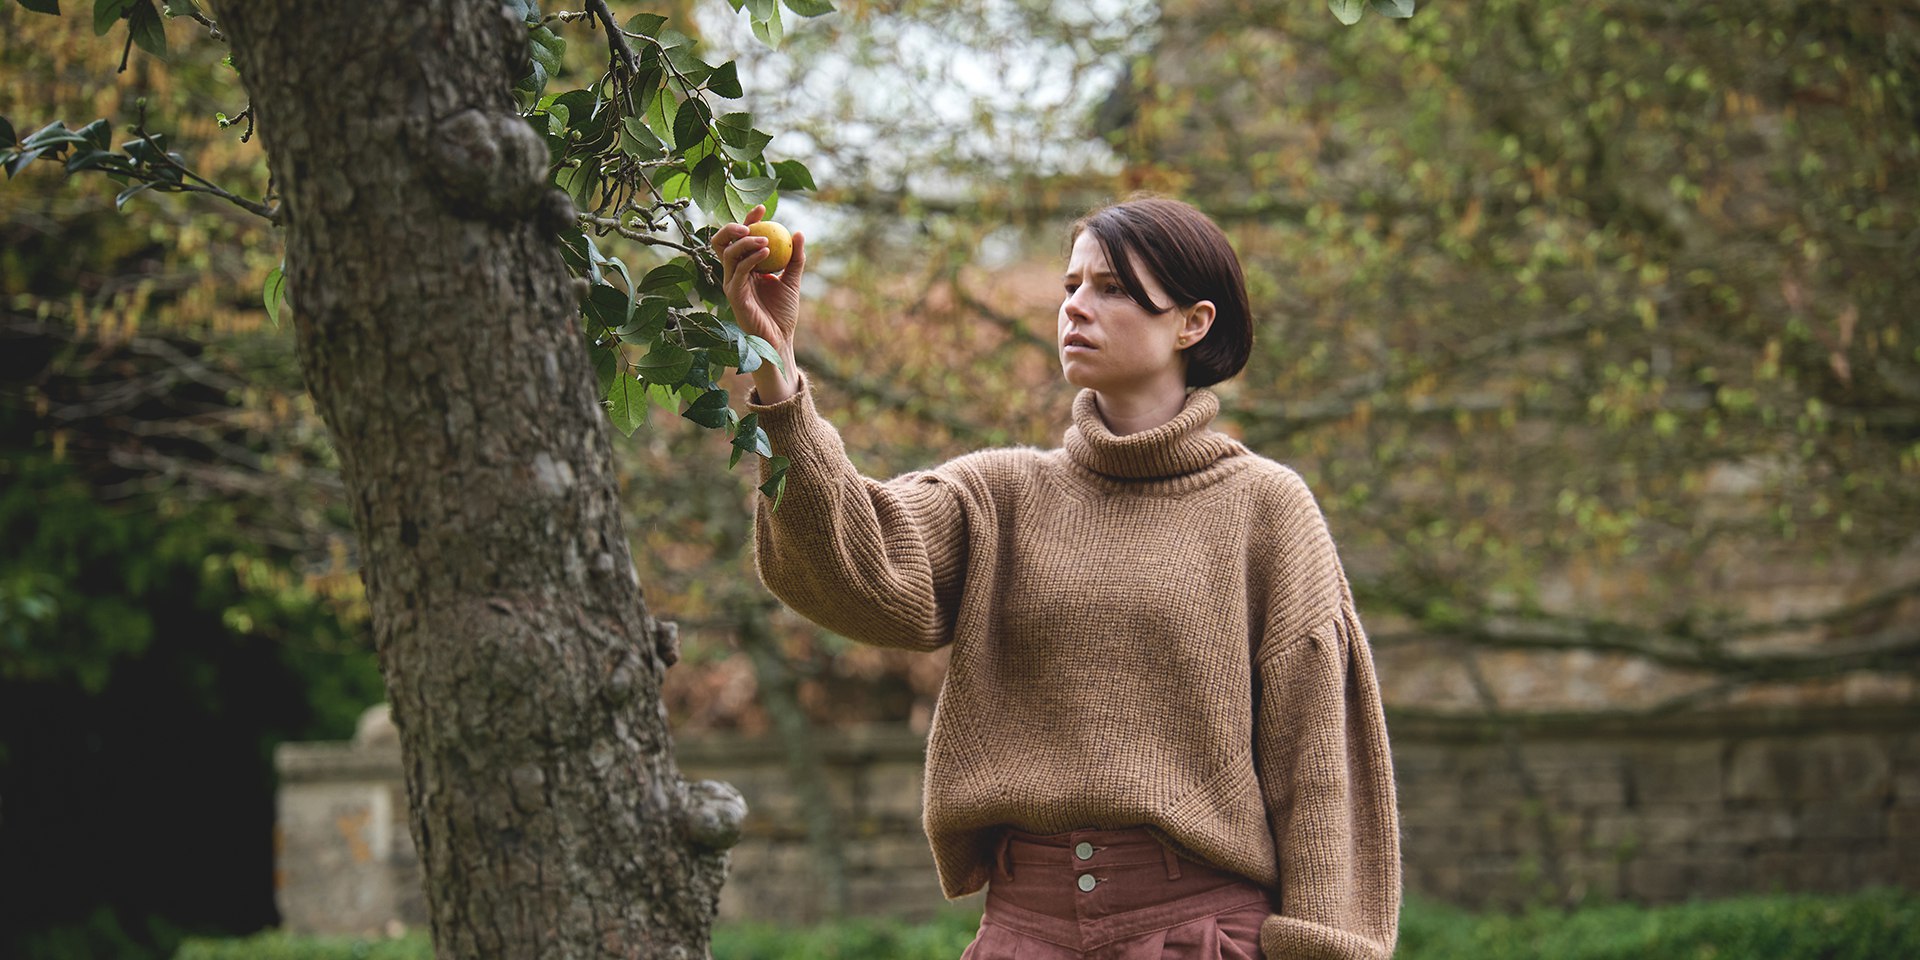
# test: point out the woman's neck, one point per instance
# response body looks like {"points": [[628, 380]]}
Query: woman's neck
{"points": [[1134, 411]]}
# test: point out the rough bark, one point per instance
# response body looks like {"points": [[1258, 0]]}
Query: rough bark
{"points": [[437, 329]]}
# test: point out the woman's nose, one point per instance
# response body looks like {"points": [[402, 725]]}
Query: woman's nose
{"points": [[1073, 306]]}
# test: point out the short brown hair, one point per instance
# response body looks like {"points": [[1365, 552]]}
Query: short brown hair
{"points": [[1192, 259]]}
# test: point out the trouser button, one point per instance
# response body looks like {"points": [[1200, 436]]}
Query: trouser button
{"points": [[1086, 883], [1084, 851]]}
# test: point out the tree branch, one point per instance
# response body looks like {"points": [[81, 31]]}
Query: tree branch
{"points": [[617, 45]]}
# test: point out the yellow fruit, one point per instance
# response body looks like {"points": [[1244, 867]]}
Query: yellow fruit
{"points": [[779, 245]]}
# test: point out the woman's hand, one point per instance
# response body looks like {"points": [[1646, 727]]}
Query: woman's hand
{"points": [[765, 305]]}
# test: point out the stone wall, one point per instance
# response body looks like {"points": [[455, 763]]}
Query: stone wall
{"points": [[1525, 811]]}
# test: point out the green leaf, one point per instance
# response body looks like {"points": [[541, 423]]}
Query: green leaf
{"points": [[99, 133], [749, 437], [276, 289], [648, 319], [51, 135], [149, 31], [752, 437], [662, 396], [769, 30], [666, 363], [661, 115], [528, 10], [742, 142], [627, 405], [809, 8], [120, 199], [580, 182], [1347, 11], [676, 185], [7, 136], [760, 9], [694, 69], [97, 160], [690, 123], [725, 81], [547, 48], [755, 189], [639, 141], [793, 175], [1397, 9], [765, 350], [709, 186], [42, 6], [775, 486], [581, 255], [671, 39], [606, 367], [710, 410], [607, 306], [645, 24], [672, 275], [105, 12]]}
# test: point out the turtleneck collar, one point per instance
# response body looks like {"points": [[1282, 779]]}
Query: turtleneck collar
{"points": [[1180, 446]]}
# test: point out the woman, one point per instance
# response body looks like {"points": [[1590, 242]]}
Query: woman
{"points": [[1160, 732]]}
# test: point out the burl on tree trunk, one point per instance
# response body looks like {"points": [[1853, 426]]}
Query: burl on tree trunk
{"points": [[438, 331]]}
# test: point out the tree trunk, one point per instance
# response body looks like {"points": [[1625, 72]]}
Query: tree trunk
{"points": [[438, 332]]}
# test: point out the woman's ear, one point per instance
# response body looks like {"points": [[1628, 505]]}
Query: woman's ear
{"points": [[1195, 321]]}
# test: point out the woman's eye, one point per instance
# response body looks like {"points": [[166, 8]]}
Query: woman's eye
{"points": [[1071, 287], [1113, 289]]}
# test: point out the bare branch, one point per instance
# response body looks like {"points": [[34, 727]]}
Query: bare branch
{"points": [[617, 45]]}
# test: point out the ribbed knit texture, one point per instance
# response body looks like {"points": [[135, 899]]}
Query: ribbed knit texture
{"points": [[1146, 630]]}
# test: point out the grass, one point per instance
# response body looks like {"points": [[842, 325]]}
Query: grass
{"points": [[1873, 925]]}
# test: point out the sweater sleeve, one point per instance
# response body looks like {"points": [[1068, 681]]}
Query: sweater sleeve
{"points": [[880, 562], [1327, 779]]}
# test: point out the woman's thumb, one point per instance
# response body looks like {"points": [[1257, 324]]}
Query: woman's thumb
{"points": [[796, 264]]}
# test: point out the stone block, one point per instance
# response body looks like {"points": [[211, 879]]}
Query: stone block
{"points": [[333, 850], [1841, 821], [1903, 825], [895, 854], [1676, 773], [1671, 879], [1429, 792], [1433, 879], [1591, 881], [1587, 775], [1493, 784], [1638, 832], [1804, 769], [904, 895], [892, 790], [1742, 828], [1810, 871]]}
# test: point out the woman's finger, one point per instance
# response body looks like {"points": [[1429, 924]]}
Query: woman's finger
{"points": [[796, 264], [740, 249], [739, 260], [754, 215], [727, 234]]}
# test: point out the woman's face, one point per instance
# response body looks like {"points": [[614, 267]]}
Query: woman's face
{"points": [[1127, 348]]}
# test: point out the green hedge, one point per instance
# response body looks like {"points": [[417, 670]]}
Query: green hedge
{"points": [[1874, 925]]}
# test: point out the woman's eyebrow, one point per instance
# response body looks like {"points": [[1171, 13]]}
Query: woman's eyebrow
{"points": [[1097, 274]]}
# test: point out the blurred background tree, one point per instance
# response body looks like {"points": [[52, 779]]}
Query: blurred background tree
{"points": [[1592, 325]]}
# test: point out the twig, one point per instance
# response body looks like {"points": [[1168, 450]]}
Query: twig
{"points": [[604, 224], [213, 29], [617, 44], [272, 214]]}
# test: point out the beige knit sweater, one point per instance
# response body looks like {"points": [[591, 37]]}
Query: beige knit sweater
{"points": [[1149, 630]]}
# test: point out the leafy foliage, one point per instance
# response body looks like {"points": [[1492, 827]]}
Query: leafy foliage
{"points": [[637, 149]]}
